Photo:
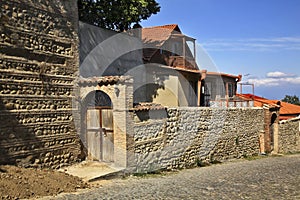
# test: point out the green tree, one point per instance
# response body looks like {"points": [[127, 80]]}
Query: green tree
{"points": [[291, 99], [117, 15]]}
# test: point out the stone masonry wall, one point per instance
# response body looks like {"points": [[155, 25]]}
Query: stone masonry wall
{"points": [[289, 136], [191, 136], [38, 64]]}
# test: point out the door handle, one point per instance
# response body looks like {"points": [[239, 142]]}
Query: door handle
{"points": [[104, 132]]}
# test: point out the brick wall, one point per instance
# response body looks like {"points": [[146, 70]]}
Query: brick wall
{"points": [[188, 136], [38, 64], [289, 136]]}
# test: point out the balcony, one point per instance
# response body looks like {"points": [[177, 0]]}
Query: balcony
{"points": [[182, 62]]}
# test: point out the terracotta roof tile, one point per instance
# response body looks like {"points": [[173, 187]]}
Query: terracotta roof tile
{"points": [[289, 109], [251, 96], [285, 108], [154, 37]]}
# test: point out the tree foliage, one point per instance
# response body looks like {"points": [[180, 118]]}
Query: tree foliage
{"points": [[116, 14], [291, 99]]}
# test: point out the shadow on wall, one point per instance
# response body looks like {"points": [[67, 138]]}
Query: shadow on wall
{"points": [[144, 115], [146, 93], [38, 64], [107, 53], [17, 141]]}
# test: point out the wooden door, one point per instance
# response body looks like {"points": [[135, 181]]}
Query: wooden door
{"points": [[108, 135], [100, 134], [94, 134]]}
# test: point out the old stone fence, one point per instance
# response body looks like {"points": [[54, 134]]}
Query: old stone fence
{"points": [[289, 136], [193, 136]]}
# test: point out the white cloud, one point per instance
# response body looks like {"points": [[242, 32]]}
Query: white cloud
{"points": [[279, 75], [264, 82], [275, 79], [253, 44]]}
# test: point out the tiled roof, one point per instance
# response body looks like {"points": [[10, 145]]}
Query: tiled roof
{"points": [[168, 26], [259, 101], [285, 108], [105, 80], [289, 109], [252, 96], [154, 37]]}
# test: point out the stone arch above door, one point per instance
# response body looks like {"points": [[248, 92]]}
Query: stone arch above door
{"points": [[98, 98]]}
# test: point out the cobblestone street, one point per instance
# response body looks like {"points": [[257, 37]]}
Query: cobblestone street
{"points": [[268, 178]]}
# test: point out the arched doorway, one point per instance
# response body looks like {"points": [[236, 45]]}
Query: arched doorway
{"points": [[99, 126]]}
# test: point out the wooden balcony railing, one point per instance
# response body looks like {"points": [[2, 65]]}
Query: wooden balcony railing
{"points": [[183, 62]]}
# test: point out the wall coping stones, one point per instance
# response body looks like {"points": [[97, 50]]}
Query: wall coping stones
{"points": [[103, 80], [289, 120], [215, 108]]}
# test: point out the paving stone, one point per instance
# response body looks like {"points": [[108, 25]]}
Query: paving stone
{"points": [[267, 178]]}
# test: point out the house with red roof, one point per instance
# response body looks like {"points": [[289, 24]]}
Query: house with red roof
{"points": [[172, 76], [286, 110], [160, 60], [170, 56], [281, 129], [167, 45], [153, 70]]}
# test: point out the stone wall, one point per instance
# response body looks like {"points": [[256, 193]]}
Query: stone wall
{"points": [[38, 64], [192, 136], [289, 136]]}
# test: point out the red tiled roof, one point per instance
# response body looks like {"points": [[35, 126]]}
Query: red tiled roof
{"points": [[155, 37], [252, 96], [167, 26], [285, 108], [289, 109]]}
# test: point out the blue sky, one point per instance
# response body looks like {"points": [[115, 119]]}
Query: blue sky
{"points": [[259, 39]]}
